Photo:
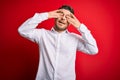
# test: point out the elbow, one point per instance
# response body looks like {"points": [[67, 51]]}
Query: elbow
{"points": [[19, 31], [93, 51]]}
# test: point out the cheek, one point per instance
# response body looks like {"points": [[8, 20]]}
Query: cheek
{"points": [[56, 21], [59, 18], [67, 23]]}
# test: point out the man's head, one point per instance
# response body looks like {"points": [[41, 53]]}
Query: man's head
{"points": [[61, 23], [66, 7]]}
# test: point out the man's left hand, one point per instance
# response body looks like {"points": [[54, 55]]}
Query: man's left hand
{"points": [[73, 20]]}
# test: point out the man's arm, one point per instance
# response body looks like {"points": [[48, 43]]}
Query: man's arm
{"points": [[86, 43], [28, 28]]}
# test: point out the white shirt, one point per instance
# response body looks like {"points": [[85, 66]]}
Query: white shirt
{"points": [[57, 50]]}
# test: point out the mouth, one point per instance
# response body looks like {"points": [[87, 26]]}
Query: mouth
{"points": [[61, 22]]}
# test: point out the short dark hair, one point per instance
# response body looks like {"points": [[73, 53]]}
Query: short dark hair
{"points": [[67, 7]]}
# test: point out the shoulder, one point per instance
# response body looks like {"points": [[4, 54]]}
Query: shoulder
{"points": [[75, 35], [42, 30]]}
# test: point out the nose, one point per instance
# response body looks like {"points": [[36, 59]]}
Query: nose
{"points": [[64, 17]]}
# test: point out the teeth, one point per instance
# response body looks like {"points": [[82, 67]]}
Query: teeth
{"points": [[61, 22]]}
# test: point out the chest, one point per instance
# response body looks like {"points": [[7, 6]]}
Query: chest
{"points": [[64, 43]]}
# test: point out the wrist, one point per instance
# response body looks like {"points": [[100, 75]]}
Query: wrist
{"points": [[78, 25], [49, 15]]}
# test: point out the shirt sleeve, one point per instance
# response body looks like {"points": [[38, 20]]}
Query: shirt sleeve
{"points": [[28, 28], [86, 43]]}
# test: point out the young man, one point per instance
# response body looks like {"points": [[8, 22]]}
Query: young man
{"points": [[58, 46]]}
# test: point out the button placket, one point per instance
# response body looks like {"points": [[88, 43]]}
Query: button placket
{"points": [[57, 55]]}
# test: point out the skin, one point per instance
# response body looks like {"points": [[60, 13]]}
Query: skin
{"points": [[63, 18]]}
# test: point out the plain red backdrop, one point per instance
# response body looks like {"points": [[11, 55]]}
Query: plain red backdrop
{"points": [[19, 57]]}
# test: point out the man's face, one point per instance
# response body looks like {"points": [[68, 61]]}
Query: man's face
{"points": [[61, 23]]}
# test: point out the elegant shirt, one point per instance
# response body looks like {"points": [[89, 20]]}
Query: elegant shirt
{"points": [[57, 50]]}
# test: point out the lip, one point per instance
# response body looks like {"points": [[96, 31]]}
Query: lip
{"points": [[61, 22]]}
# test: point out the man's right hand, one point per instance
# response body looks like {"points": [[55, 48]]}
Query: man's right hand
{"points": [[55, 14]]}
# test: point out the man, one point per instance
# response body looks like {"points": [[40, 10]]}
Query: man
{"points": [[58, 46]]}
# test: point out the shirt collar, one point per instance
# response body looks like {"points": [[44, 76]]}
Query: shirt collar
{"points": [[53, 30]]}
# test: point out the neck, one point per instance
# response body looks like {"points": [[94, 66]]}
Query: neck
{"points": [[59, 30]]}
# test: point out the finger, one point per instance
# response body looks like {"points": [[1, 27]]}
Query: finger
{"points": [[70, 16], [73, 16], [58, 15], [69, 19], [59, 11], [56, 11]]}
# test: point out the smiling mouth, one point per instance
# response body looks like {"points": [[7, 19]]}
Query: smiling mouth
{"points": [[61, 22]]}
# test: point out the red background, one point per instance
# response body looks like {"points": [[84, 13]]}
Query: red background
{"points": [[19, 57]]}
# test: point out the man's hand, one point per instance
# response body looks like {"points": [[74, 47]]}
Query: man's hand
{"points": [[73, 20], [54, 14]]}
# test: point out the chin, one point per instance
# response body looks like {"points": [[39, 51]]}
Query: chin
{"points": [[61, 28]]}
